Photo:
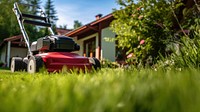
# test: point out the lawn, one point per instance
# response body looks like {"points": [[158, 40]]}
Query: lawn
{"points": [[107, 90]]}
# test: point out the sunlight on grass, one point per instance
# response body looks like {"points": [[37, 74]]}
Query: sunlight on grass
{"points": [[106, 90]]}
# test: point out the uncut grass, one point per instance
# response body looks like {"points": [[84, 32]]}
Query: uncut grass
{"points": [[106, 90]]}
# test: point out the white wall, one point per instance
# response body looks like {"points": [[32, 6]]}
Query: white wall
{"points": [[21, 52], [108, 44], [107, 47], [3, 54]]}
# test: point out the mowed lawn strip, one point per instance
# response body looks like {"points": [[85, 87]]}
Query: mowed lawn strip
{"points": [[106, 90]]}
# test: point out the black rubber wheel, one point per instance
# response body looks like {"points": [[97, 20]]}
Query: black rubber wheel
{"points": [[16, 64], [25, 63], [35, 63], [95, 63]]}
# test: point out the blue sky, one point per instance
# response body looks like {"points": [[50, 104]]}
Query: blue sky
{"points": [[81, 10]]}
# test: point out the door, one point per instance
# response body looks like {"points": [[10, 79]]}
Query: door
{"points": [[90, 47]]}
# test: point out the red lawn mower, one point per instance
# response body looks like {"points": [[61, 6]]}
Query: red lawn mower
{"points": [[52, 52]]}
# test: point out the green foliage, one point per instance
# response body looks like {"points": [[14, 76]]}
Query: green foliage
{"points": [[148, 20], [155, 22], [107, 90], [1, 64], [8, 22], [188, 53], [33, 32], [77, 24], [50, 11], [63, 26], [109, 64], [35, 8]]}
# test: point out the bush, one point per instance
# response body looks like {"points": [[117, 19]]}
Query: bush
{"points": [[109, 64], [1, 64], [188, 53], [143, 26]]}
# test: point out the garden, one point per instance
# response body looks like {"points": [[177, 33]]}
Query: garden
{"points": [[160, 75]]}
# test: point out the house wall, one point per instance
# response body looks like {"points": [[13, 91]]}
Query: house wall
{"points": [[108, 48], [3, 54], [21, 52]]}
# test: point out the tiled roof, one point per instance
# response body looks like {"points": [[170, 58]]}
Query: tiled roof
{"points": [[61, 31], [14, 38]]}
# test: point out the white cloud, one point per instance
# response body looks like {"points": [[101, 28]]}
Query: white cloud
{"points": [[66, 15]]}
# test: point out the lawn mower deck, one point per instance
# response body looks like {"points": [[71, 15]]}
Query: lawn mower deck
{"points": [[55, 61]]}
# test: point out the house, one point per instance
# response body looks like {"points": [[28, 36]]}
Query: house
{"points": [[10, 47], [61, 31], [15, 46], [93, 38]]}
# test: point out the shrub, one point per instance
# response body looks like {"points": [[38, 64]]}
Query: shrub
{"points": [[143, 26], [188, 54], [109, 64]]}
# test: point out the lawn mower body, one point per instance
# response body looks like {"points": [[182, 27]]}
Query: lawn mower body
{"points": [[56, 53], [51, 52], [55, 61]]}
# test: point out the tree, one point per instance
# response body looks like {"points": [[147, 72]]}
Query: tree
{"points": [[143, 27], [63, 26], [77, 24], [146, 27], [50, 11], [35, 9], [8, 21]]}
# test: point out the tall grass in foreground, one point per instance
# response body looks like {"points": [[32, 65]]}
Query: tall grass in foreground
{"points": [[187, 56], [186, 52], [107, 90]]}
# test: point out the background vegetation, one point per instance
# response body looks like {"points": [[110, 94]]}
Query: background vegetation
{"points": [[150, 28], [8, 23]]}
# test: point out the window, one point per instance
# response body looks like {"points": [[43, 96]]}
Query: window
{"points": [[90, 47]]}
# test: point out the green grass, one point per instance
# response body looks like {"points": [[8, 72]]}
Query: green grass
{"points": [[105, 91]]}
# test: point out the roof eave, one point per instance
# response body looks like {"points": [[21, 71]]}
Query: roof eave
{"points": [[71, 33], [76, 31]]}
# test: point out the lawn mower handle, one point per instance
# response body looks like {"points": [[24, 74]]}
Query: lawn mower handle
{"points": [[19, 19], [29, 19]]}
